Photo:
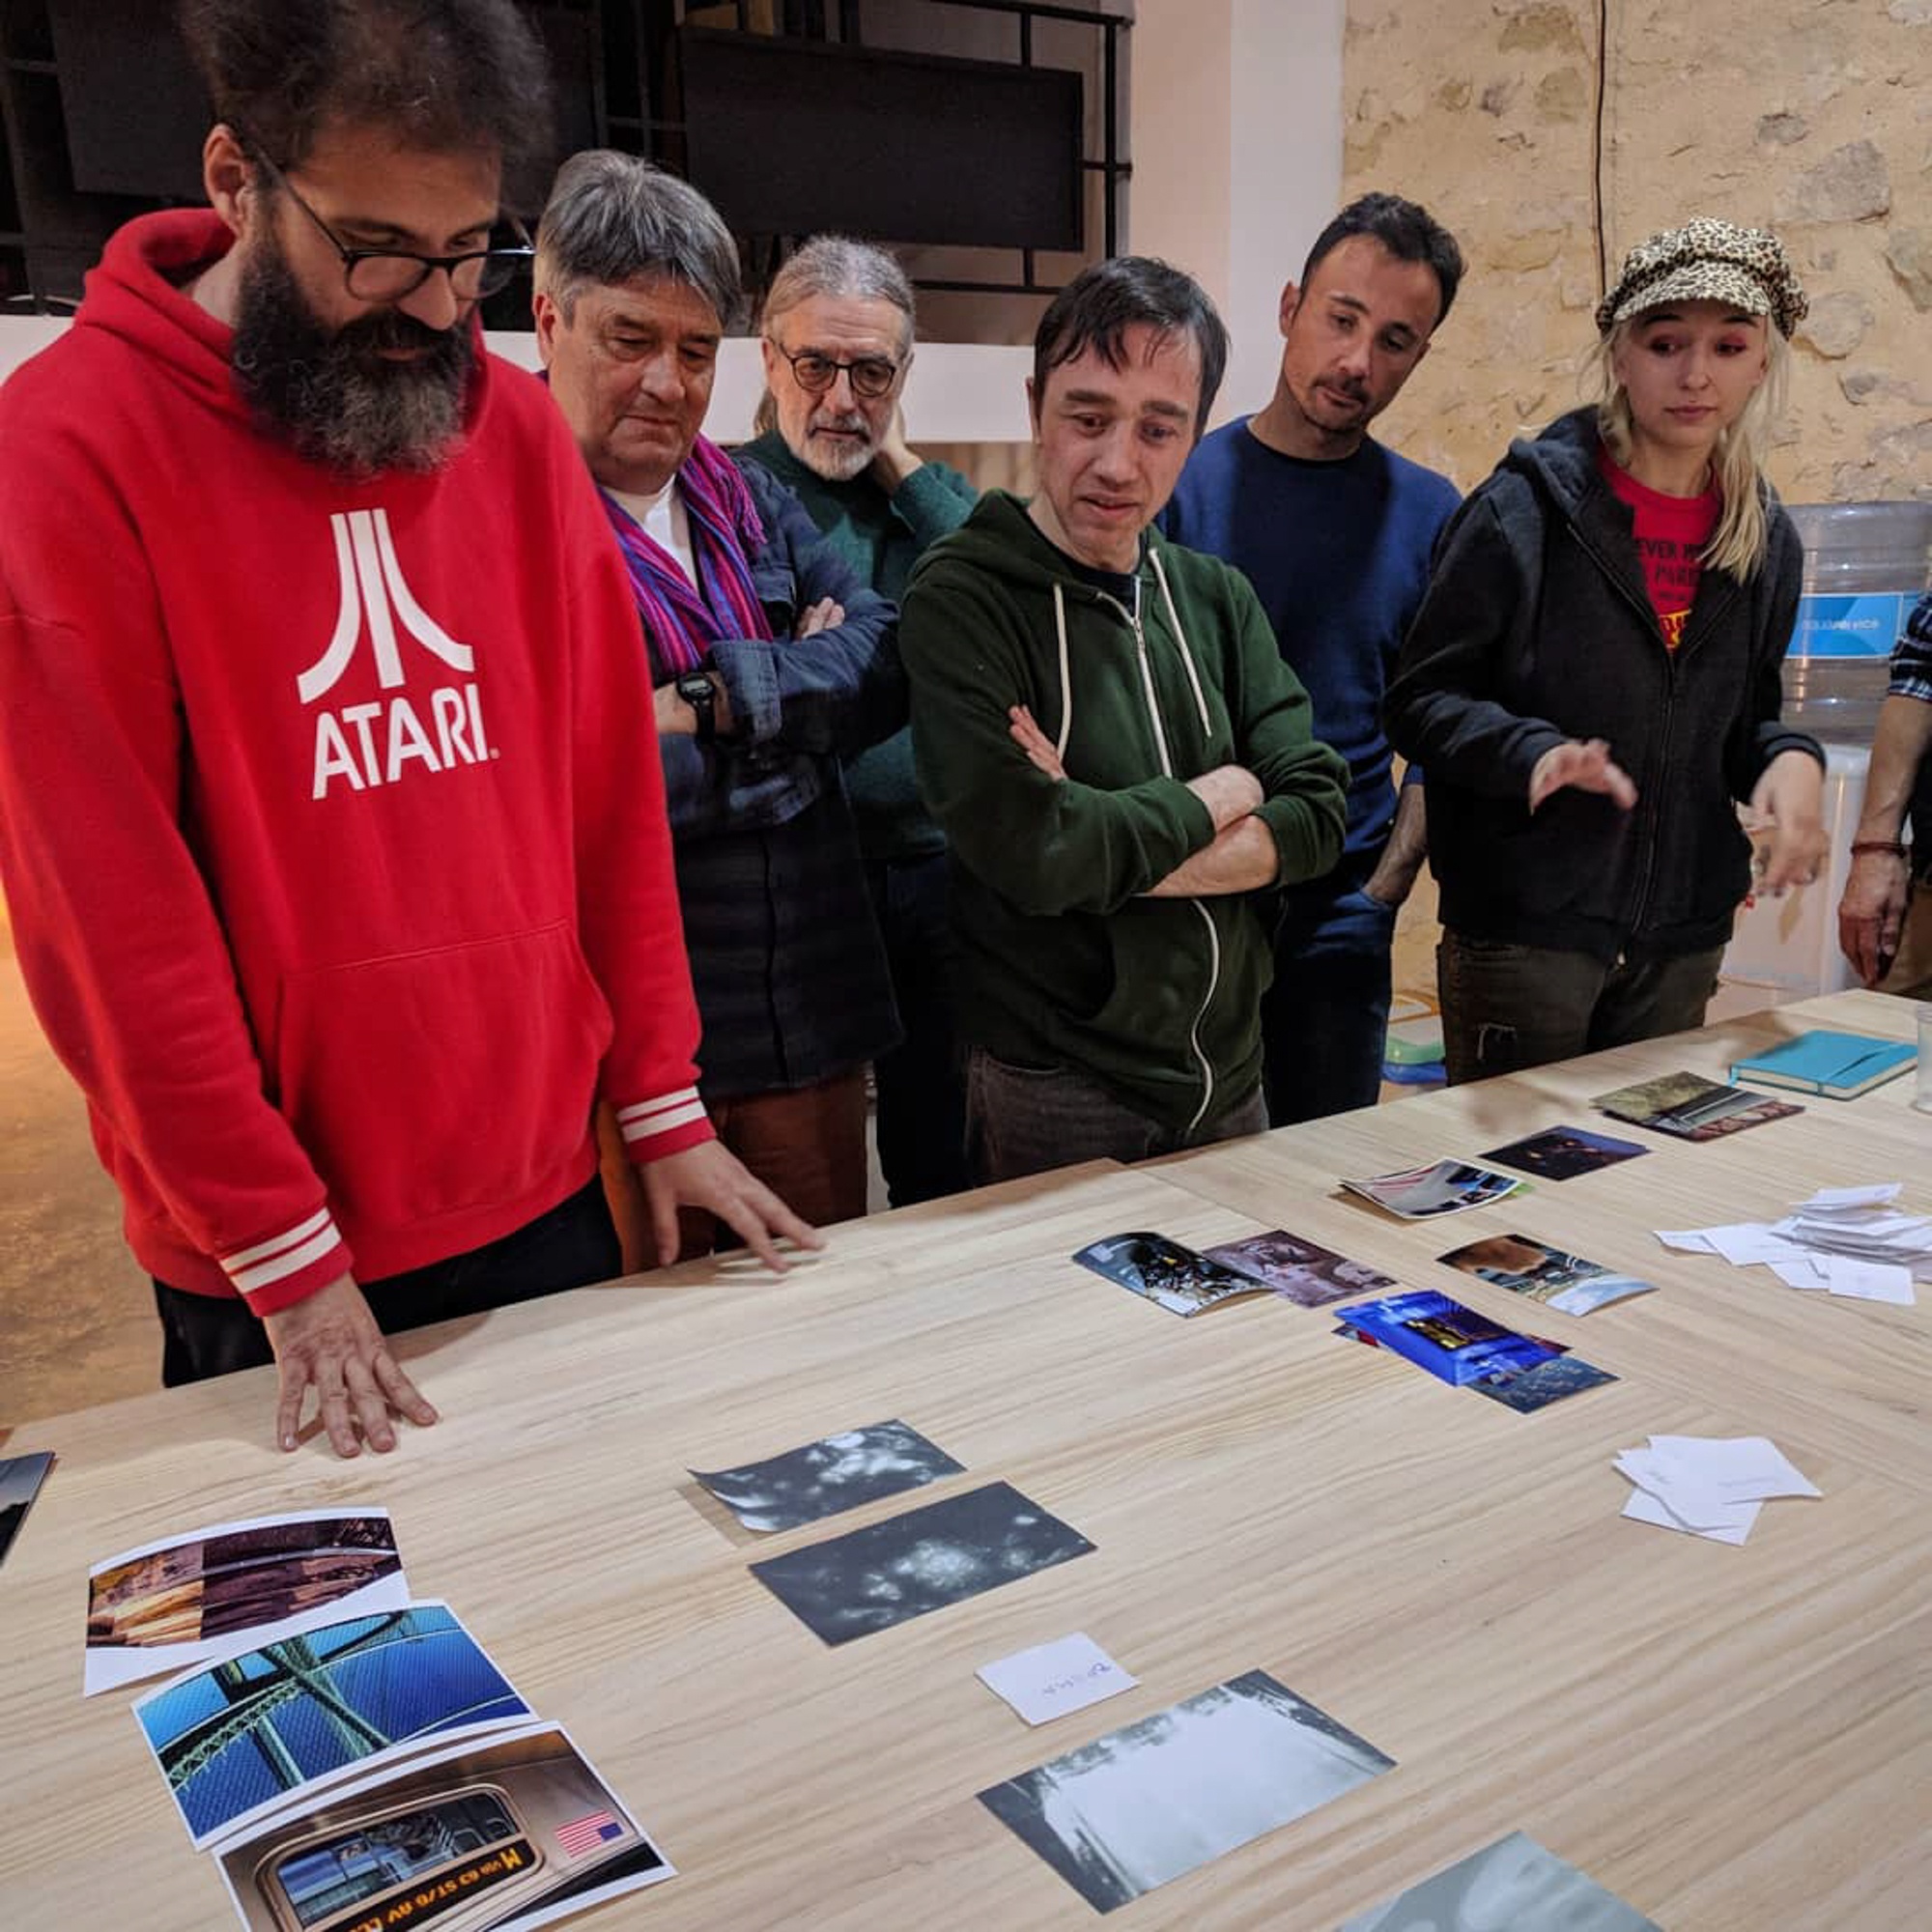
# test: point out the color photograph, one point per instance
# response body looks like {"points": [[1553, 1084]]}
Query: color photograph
{"points": [[823, 1478], [1562, 1153], [1166, 1273], [1163, 1797], [170, 1606], [1513, 1886], [515, 1831], [1446, 1188], [1534, 1268], [1299, 1270], [1528, 1389], [1435, 1332], [21, 1480], [1692, 1108], [241, 1735], [891, 1572]]}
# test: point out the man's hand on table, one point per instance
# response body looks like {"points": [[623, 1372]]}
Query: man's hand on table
{"points": [[329, 1342], [711, 1177]]}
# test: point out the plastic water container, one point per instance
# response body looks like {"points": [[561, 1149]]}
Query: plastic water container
{"points": [[1865, 564]]}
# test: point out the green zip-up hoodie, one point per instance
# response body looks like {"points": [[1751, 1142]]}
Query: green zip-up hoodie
{"points": [[1064, 960]]}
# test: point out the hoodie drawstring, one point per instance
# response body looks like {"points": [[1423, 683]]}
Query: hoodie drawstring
{"points": [[1065, 682], [1180, 637]]}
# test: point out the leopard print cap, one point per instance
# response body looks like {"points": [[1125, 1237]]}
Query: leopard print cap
{"points": [[1707, 260]]}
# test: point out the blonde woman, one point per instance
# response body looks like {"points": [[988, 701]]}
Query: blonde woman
{"points": [[1592, 684]]}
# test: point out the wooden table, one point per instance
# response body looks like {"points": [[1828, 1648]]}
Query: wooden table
{"points": [[1729, 1738]]}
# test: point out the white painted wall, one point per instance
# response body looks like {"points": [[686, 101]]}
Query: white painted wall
{"points": [[958, 393]]}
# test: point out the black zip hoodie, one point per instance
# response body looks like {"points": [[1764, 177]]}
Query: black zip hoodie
{"points": [[1537, 628]]}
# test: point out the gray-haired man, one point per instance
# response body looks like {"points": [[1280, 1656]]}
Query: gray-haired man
{"points": [[771, 663], [838, 343]]}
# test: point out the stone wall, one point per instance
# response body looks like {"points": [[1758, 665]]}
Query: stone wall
{"points": [[1811, 117]]}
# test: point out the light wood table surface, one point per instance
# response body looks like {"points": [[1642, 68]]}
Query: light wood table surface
{"points": [[1729, 1738]]}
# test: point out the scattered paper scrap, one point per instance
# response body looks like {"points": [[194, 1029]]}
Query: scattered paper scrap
{"points": [[1052, 1679], [1709, 1486]]}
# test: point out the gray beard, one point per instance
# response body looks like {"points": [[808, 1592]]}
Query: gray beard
{"points": [[331, 396], [834, 461]]}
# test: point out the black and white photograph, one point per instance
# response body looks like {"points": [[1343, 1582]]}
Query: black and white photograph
{"points": [[1300, 1270], [21, 1480], [891, 1572], [824, 1478], [1513, 1883], [1162, 1797]]}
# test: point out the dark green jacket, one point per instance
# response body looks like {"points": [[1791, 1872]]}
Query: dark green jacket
{"points": [[880, 536], [1066, 961]]}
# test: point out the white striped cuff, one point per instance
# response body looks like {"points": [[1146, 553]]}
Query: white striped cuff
{"points": [[650, 1118], [284, 1254]]}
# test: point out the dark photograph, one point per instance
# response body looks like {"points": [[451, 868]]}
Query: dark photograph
{"points": [[836, 1473], [891, 1571], [1299, 1270]]}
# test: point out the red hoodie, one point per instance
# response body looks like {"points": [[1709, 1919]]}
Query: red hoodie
{"points": [[332, 818]]}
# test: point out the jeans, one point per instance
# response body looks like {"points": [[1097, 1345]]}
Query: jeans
{"points": [[571, 1246], [1026, 1119], [1325, 1021], [921, 1092], [1506, 1007]]}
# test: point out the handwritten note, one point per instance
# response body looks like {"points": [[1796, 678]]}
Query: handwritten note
{"points": [[1052, 1679]]}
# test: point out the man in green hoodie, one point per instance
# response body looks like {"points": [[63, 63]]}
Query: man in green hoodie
{"points": [[1118, 756]]}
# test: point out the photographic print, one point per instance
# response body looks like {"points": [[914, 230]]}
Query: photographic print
{"points": [[1452, 1341], [1162, 1797], [170, 1606], [1300, 1270], [1512, 1884], [1562, 1153], [21, 1480], [1542, 1273], [1692, 1108], [1165, 1272], [1447, 1188], [838, 1472], [240, 1736], [891, 1572], [513, 1832], [1541, 1384]]}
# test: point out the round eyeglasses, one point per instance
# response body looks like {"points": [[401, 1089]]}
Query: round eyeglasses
{"points": [[389, 274], [870, 376]]}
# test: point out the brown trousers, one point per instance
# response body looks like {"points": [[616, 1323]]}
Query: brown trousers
{"points": [[807, 1144]]}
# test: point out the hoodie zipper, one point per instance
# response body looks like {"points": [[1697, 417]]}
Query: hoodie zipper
{"points": [[1206, 918]]}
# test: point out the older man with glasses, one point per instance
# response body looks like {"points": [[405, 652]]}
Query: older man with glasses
{"points": [[838, 328], [772, 663], [330, 820]]}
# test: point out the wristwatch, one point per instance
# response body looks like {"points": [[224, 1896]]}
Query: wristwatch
{"points": [[698, 691]]}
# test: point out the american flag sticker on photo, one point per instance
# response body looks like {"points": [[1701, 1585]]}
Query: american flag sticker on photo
{"points": [[586, 1833]]}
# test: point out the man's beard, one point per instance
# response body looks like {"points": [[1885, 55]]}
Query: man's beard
{"points": [[838, 461], [330, 394]]}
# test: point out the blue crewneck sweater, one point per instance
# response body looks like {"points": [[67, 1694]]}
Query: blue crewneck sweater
{"points": [[1339, 555]]}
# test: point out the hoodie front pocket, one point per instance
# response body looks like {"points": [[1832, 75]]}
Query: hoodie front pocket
{"points": [[432, 1083]]}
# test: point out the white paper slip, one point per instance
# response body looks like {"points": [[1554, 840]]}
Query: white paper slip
{"points": [[1689, 1240], [1750, 1242], [1052, 1679], [1874, 1196], [1643, 1507], [1694, 1505], [1807, 1271], [1741, 1467], [1869, 1280]]}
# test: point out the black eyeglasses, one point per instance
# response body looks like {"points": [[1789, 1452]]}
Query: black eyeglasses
{"points": [[871, 375], [389, 274]]}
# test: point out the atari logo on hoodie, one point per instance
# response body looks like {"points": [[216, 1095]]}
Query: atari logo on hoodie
{"points": [[376, 744]]}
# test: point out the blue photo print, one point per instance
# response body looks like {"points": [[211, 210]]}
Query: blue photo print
{"points": [[239, 1737]]}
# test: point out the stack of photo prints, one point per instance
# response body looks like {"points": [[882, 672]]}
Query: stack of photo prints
{"points": [[349, 1757]]}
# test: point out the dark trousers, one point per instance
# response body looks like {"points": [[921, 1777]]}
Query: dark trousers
{"points": [[572, 1246], [1325, 1021], [1025, 1120], [1506, 1007], [920, 1084]]}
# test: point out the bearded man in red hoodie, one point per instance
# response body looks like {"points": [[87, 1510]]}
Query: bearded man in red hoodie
{"points": [[331, 819]]}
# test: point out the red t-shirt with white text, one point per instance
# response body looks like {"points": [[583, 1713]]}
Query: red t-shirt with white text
{"points": [[1670, 532]]}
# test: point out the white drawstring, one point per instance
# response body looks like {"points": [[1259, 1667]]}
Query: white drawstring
{"points": [[1065, 682], [1186, 654]]}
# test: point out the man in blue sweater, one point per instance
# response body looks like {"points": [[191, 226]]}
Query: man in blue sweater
{"points": [[1335, 533]]}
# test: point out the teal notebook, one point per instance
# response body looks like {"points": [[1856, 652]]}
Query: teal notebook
{"points": [[1839, 1066]]}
